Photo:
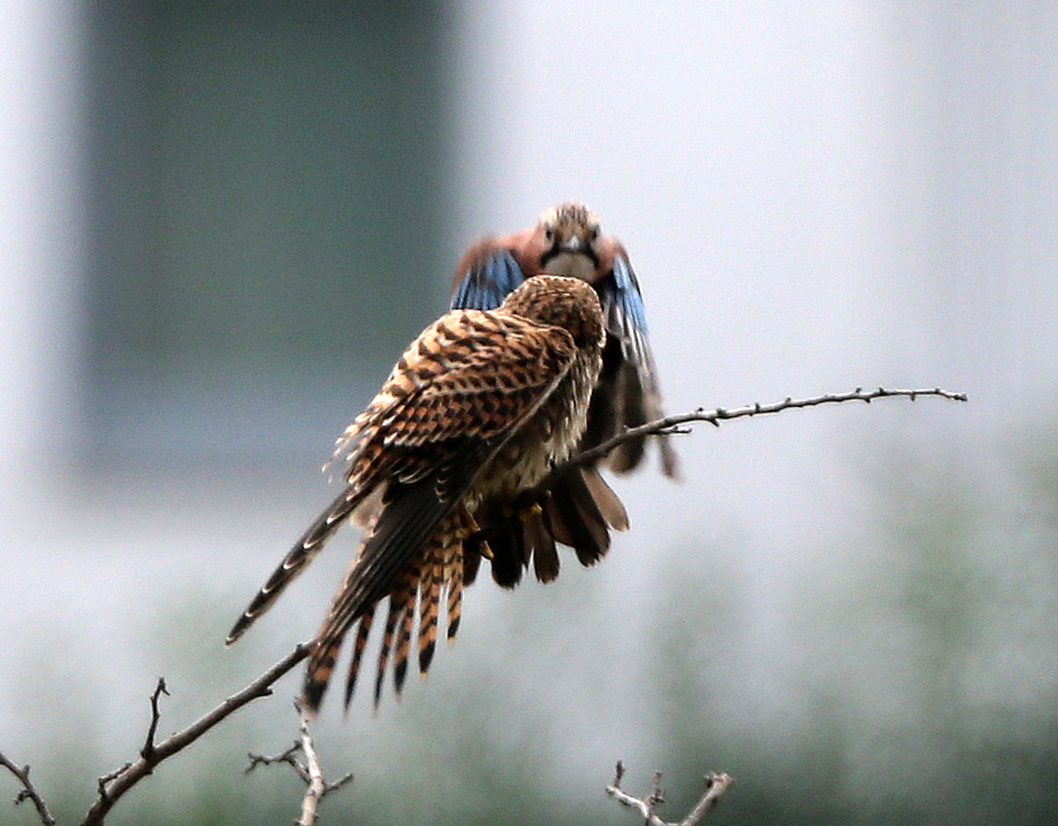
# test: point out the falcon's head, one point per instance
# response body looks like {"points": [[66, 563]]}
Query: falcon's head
{"points": [[568, 303]]}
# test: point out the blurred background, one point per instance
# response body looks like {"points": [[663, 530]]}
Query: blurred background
{"points": [[221, 222]]}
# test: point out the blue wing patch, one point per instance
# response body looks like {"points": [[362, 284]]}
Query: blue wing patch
{"points": [[486, 284], [624, 294]]}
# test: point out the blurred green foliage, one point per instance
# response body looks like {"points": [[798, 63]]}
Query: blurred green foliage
{"points": [[906, 677]]}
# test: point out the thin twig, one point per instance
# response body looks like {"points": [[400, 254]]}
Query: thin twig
{"points": [[148, 746], [310, 771], [28, 790], [289, 757], [316, 788], [670, 424], [101, 782], [114, 785], [715, 786]]}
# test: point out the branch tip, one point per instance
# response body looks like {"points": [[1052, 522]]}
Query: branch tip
{"points": [[669, 424], [715, 786], [156, 715], [28, 791]]}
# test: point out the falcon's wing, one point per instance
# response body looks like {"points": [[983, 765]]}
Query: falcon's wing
{"points": [[460, 390], [628, 394], [464, 388]]}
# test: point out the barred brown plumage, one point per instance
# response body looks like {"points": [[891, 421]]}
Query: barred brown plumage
{"points": [[475, 413]]}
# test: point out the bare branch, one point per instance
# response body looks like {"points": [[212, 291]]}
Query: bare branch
{"points": [[28, 790], [715, 786], [148, 746], [115, 784], [670, 424], [101, 782], [317, 787], [310, 772], [288, 757]]}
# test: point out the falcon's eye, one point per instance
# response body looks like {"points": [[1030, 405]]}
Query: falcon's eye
{"points": [[593, 233], [549, 233]]}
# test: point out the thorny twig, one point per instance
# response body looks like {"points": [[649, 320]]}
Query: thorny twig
{"points": [[670, 424], [148, 746], [289, 757]]}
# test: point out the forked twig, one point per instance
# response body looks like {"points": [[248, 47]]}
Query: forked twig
{"points": [[310, 771], [115, 784], [715, 786]]}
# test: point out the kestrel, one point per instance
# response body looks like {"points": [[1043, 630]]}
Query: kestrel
{"points": [[474, 415]]}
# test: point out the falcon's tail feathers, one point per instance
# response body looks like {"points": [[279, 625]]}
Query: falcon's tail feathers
{"points": [[298, 558], [362, 632]]}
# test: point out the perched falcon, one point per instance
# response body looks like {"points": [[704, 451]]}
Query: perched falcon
{"points": [[567, 241], [474, 415]]}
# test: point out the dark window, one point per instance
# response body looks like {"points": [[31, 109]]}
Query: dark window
{"points": [[266, 189]]}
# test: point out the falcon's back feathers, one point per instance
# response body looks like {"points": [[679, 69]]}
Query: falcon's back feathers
{"points": [[477, 410]]}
